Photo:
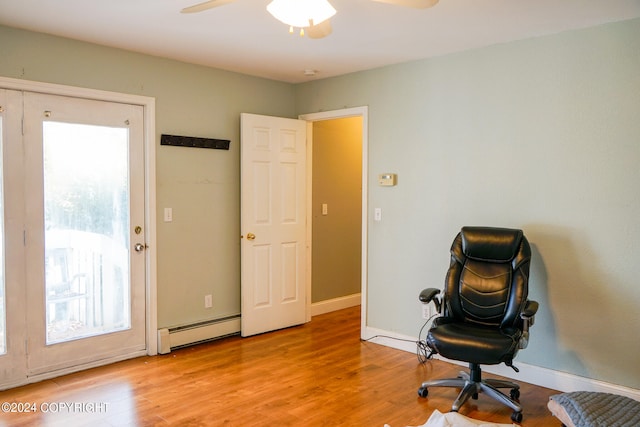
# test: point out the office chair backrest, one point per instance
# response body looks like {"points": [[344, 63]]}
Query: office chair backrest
{"points": [[487, 281]]}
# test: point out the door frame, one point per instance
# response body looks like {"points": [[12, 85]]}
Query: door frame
{"points": [[362, 112], [148, 105]]}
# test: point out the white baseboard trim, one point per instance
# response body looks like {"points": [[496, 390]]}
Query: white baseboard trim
{"points": [[334, 304], [543, 377]]}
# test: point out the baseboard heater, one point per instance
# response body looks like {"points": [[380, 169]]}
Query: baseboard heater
{"points": [[182, 336]]}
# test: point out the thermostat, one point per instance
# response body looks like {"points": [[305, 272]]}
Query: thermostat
{"points": [[387, 179]]}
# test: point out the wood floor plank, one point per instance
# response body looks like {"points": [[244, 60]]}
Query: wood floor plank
{"points": [[318, 374]]}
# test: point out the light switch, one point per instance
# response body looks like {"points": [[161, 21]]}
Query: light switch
{"points": [[377, 214], [168, 214], [325, 209]]}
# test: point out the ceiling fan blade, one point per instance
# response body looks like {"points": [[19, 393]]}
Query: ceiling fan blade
{"points": [[206, 5], [416, 4], [320, 30]]}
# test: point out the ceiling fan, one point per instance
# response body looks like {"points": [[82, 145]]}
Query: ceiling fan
{"points": [[311, 16]]}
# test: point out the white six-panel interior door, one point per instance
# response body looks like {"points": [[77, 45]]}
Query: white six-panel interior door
{"points": [[273, 223]]}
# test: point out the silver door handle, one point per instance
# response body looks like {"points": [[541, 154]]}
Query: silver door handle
{"points": [[139, 247]]}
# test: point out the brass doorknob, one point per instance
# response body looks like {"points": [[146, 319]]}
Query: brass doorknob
{"points": [[251, 236]]}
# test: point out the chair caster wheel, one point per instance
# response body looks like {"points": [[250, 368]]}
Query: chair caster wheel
{"points": [[423, 392], [515, 394], [516, 417]]}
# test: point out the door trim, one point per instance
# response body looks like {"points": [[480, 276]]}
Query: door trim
{"points": [[148, 104], [328, 115]]}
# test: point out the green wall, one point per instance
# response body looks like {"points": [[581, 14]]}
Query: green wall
{"points": [[198, 253], [541, 134]]}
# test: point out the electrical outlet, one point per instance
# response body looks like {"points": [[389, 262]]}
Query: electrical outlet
{"points": [[208, 301], [426, 311]]}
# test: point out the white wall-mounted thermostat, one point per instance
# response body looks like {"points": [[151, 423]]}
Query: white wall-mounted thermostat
{"points": [[387, 179]]}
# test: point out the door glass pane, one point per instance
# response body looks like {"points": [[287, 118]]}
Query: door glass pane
{"points": [[3, 320], [86, 204]]}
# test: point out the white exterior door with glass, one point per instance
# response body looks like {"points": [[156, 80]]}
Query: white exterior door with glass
{"points": [[74, 170]]}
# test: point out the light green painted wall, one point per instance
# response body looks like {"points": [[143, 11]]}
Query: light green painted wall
{"points": [[542, 134], [337, 181], [199, 252]]}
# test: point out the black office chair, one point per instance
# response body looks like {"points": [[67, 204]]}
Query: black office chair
{"points": [[484, 311]]}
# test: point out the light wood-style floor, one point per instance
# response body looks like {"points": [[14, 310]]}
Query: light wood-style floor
{"points": [[318, 374]]}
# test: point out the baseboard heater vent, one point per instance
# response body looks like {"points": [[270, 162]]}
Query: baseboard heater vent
{"points": [[182, 336]]}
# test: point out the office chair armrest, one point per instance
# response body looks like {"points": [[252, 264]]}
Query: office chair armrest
{"points": [[427, 295], [528, 316], [530, 309], [431, 294]]}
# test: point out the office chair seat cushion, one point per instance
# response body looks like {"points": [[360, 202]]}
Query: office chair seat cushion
{"points": [[473, 343]]}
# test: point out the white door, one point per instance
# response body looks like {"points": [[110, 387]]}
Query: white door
{"points": [[273, 223], [83, 237]]}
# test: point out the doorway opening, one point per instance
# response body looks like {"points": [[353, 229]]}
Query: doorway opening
{"points": [[337, 210]]}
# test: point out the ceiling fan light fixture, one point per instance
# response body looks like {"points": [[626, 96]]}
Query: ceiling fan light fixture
{"points": [[301, 13]]}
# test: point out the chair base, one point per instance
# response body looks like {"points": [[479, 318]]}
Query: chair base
{"points": [[471, 384]]}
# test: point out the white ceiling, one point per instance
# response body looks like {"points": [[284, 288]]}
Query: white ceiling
{"points": [[243, 37]]}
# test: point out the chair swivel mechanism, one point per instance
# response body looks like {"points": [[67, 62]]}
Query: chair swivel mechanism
{"points": [[484, 314]]}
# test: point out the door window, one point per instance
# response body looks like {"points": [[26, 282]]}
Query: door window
{"points": [[86, 219]]}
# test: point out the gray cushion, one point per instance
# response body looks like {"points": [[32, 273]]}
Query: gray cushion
{"points": [[592, 409]]}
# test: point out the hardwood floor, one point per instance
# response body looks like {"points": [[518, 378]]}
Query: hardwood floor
{"points": [[318, 374]]}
